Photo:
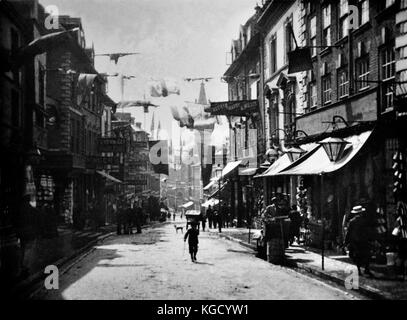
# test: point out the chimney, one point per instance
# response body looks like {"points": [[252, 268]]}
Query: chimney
{"points": [[138, 125]]}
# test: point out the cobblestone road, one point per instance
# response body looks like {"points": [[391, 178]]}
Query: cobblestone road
{"points": [[154, 265]]}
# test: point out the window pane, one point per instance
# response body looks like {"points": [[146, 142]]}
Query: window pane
{"points": [[313, 27], [343, 7], [326, 16], [365, 12]]}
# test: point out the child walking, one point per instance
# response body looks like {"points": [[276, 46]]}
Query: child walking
{"points": [[192, 235]]}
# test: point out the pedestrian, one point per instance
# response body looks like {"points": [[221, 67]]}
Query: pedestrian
{"points": [[138, 217], [203, 222], [295, 224], [192, 235], [220, 220], [173, 216], [225, 215], [119, 217], [27, 228], [209, 214], [358, 239], [128, 219], [215, 218]]}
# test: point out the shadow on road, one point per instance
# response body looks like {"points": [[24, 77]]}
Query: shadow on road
{"points": [[206, 263]]}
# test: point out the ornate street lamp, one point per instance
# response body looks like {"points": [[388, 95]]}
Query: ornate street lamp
{"points": [[295, 153], [334, 147]]}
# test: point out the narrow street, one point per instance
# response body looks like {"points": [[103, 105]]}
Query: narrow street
{"points": [[154, 265]]}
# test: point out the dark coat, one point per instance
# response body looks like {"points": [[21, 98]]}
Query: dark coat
{"points": [[192, 235], [358, 239]]}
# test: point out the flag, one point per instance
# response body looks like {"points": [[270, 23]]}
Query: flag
{"points": [[175, 113], [43, 44], [135, 103], [163, 88], [205, 124]]}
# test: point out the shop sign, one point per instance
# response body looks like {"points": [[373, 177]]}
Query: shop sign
{"points": [[233, 108], [112, 145], [103, 161]]}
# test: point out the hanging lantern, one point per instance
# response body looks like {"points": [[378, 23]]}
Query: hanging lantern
{"points": [[334, 147], [295, 153]]}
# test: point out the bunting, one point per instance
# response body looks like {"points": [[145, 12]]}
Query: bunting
{"points": [[43, 44]]}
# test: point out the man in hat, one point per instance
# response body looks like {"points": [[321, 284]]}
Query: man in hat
{"points": [[358, 239], [192, 235]]}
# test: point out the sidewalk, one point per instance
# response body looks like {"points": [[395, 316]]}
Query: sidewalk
{"points": [[59, 250], [337, 268]]}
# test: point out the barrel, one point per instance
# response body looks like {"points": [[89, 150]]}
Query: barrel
{"points": [[275, 251]]}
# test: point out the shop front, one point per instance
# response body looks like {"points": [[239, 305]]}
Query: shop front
{"points": [[332, 178]]}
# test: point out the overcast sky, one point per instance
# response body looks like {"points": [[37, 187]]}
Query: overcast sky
{"points": [[176, 39]]}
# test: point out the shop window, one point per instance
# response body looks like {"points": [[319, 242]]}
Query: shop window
{"points": [[388, 68], [343, 83], [326, 89], [392, 146], [362, 73]]}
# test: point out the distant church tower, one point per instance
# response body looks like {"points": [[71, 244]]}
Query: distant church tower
{"points": [[202, 95]]}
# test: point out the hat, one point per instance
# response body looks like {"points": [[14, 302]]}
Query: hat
{"points": [[358, 209]]}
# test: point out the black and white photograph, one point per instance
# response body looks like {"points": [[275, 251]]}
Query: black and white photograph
{"points": [[198, 151]]}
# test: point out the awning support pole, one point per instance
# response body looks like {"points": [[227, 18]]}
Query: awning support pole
{"points": [[323, 223]]}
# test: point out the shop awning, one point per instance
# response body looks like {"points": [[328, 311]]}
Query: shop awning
{"points": [[317, 162], [280, 164], [109, 177], [217, 190], [187, 205], [284, 161], [192, 213], [209, 185], [248, 172], [210, 202], [229, 168]]}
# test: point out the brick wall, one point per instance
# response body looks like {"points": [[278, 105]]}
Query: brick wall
{"points": [[370, 34]]}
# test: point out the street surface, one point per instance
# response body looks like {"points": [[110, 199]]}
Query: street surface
{"points": [[155, 265]]}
